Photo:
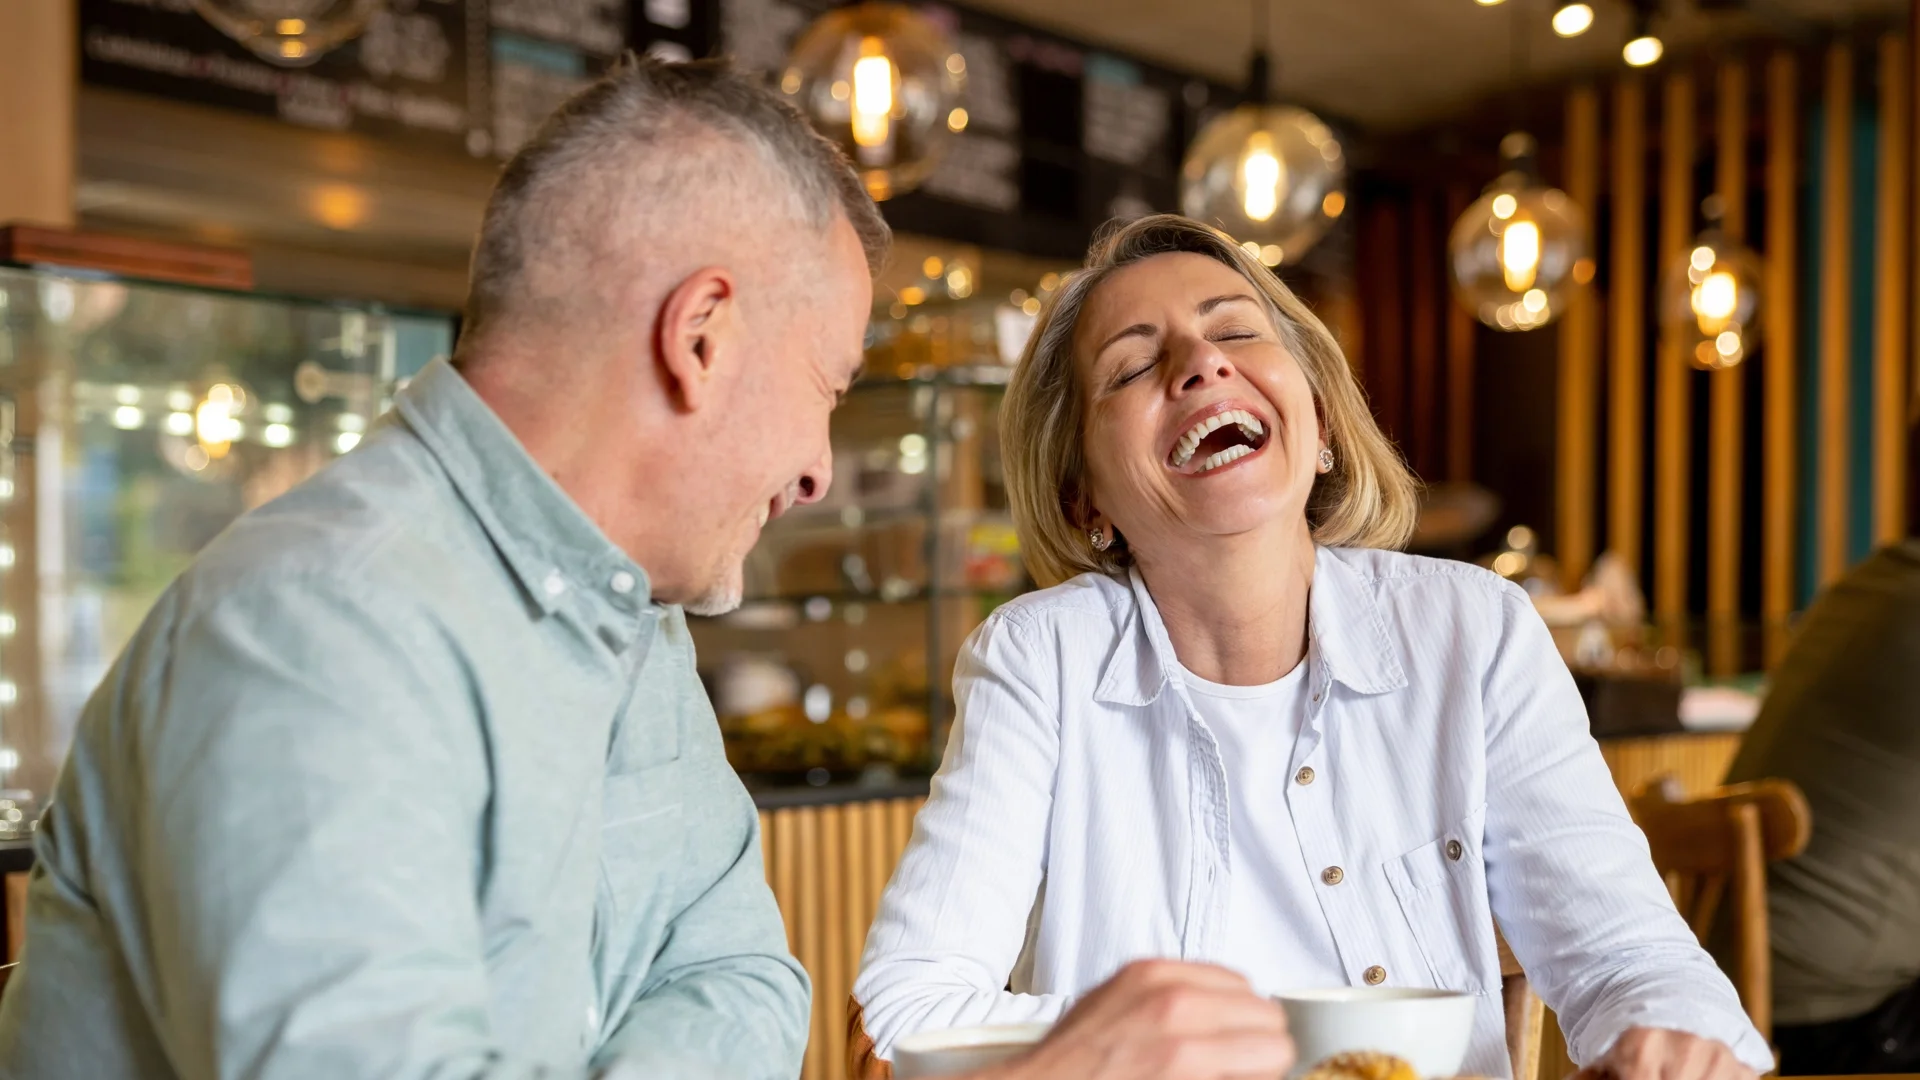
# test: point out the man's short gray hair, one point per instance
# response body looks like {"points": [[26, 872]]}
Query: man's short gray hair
{"points": [[646, 118]]}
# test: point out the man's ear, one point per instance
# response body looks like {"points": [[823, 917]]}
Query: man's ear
{"points": [[699, 334]]}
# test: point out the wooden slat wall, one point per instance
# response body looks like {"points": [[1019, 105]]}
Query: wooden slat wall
{"points": [[1459, 366], [1779, 364], [1891, 267], [1579, 359], [828, 866], [1836, 285], [1625, 395], [1726, 448], [1673, 407]]}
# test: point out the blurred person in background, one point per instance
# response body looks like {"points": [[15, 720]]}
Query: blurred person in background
{"points": [[1842, 720]]}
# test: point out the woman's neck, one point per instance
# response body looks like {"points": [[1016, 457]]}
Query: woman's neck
{"points": [[1236, 607]]}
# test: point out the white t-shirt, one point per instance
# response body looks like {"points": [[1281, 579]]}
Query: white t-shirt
{"points": [[1276, 935]]}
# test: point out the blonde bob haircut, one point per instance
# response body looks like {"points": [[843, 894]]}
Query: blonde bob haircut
{"points": [[1368, 500]]}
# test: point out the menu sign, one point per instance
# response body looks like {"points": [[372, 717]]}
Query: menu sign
{"points": [[407, 76], [473, 76]]}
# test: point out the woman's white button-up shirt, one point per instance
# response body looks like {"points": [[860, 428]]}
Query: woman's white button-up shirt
{"points": [[1080, 819]]}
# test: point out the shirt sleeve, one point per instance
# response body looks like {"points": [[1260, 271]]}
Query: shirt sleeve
{"points": [[1569, 875], [723, 998], [953, 920]]}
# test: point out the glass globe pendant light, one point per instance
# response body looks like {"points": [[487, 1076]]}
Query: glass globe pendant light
{"points": [[1521, 249], [291, 33], [1271, 176], [882, 81], [1710, 297]]}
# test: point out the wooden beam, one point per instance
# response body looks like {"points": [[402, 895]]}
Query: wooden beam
{"points": [[1836, 340], [1579, 358], [1726, 392], [1779, 364], [1891, 268], [1423, 255], [38, 84], [1460, 331], [1672, 400], [1627, 385]]}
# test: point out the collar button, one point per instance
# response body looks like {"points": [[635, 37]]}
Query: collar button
{"points": [[622, 582], [555, 584]]}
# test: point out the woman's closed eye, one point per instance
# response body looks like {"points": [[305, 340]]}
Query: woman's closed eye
{"points": [[1133, 369]]}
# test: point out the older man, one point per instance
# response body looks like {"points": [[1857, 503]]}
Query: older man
{"points": [[410, 775]]}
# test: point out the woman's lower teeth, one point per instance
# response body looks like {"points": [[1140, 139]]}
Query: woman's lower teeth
{"points": [[1225, 457]]}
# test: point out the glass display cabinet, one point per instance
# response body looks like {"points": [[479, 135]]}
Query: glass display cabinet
{"points": [[136, 421], [838, 668]]}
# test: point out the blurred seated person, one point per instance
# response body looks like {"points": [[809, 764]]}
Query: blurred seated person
{"points": [[1842, 720]]}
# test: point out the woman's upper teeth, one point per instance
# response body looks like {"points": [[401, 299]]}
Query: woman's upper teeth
{"points": [[1249, 423]]}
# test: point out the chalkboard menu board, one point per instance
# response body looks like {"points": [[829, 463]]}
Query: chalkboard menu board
{"points": [[1061, 136], [467, 76]]}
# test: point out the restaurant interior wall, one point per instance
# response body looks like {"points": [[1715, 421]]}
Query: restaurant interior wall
{"points": [[1734, 494]]}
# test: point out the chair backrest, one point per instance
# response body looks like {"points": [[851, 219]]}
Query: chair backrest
{"points": [[1526, 1015], [1723, 839]]}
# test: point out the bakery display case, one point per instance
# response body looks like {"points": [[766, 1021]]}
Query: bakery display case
{"points": [[136, 421], [838, 666]]}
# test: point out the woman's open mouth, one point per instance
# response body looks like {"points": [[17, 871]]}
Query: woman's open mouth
{"points": [[1216, 441]]}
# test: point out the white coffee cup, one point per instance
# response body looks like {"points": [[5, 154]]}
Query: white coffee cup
{"points": [[1428, 1029], [958, 1050]]}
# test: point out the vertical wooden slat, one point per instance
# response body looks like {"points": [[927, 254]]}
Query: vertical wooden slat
{"points": [[880, 858], [1890, 300], [1424, 347], [1836, 286], [784, 877], [1672, 399], [1579, 358], [1627, 408], [1727, 444], [1779, 361], [1460, 326], [830, 982], [857, 913], [807, 922]]}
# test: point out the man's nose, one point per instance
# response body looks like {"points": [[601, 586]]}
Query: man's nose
{"points": [[814, 482]]}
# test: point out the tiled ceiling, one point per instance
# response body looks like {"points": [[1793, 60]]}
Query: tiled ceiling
{"points": [[1397, 63]]}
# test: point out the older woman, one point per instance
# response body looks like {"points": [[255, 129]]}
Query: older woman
{"points": [[1243, 729]]}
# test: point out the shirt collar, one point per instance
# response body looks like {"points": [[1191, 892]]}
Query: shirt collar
{"points": [[549, 543], [1347, 634]]}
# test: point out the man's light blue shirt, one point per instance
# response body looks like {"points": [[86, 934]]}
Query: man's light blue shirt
{"points": [[406, 777]]}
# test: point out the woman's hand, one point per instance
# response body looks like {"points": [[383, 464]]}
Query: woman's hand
{"points": [[1163, 1020], [1645, 1053]]}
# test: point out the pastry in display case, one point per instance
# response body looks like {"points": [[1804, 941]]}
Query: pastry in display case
{"points": [[839, 665], [136, 421]]}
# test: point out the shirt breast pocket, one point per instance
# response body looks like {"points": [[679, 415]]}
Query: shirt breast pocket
{"points": [[642, 841], [1442, 889]]}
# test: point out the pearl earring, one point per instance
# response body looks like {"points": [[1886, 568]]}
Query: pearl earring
{"points": [[1326, 459]]}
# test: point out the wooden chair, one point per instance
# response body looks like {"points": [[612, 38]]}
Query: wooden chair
{"points": [[1526, 1015], [1719, 840]]}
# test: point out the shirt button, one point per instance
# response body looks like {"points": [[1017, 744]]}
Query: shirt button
{"points": [[1454, 850], [1316, 697], [1375, 975], [1333, 875], [1304, 776], [555, 584], [622, 582]]}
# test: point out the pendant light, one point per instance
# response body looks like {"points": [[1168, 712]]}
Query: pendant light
{"points": [[290, 33], [883, 82], [1572, 18], [1644, 48], [1710, 296], [1521, 250], [1271, 176]]}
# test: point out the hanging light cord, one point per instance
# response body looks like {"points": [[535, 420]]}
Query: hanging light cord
{"points": [[1259, 69], [1517, 65]]}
